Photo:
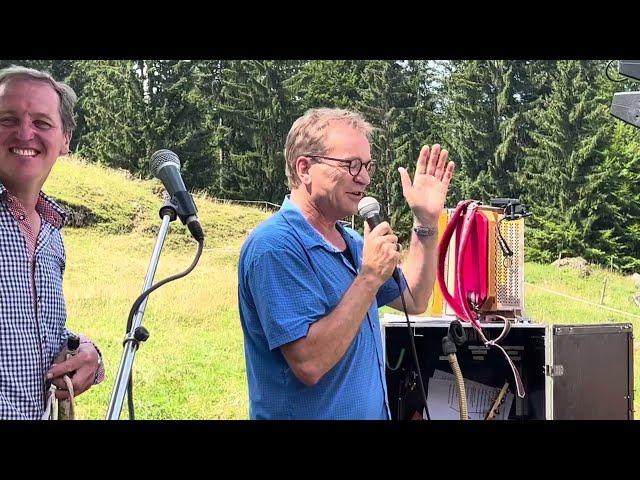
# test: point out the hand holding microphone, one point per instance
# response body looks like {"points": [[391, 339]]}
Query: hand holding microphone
{"points": [[380, 256]]}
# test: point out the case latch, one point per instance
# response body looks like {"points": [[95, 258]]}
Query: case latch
{"points": [[554, 370]]}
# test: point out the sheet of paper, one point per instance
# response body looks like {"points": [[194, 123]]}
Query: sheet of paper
{"points": [[442, 398]]}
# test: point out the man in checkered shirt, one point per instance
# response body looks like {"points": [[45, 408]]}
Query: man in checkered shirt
{"points": [[36, 124]]}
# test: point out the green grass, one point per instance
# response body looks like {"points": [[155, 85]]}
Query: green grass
{"points": [[192, 366]]}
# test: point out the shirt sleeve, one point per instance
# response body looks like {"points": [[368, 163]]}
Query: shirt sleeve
{"points": [[287, 295], [389, 290]]}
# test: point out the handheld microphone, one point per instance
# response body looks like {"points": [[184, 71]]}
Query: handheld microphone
{"points": [[369, 209], [165, 165]]}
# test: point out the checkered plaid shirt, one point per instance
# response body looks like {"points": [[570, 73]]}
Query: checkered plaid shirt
{"points": [[32, 307]]}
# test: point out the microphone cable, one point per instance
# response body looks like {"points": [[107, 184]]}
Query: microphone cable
{"points": [[411, 339], [144, 334]]}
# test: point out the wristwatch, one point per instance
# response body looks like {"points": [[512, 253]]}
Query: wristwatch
{"points": [[423, 231]]}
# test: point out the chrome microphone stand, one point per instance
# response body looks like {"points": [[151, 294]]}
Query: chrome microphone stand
{"points": [[137, 333]]}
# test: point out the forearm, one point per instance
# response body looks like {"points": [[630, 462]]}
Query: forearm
{"points": [[328, 339]]}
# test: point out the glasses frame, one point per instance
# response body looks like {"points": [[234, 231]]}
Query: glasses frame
{"points": [[371, 164]]}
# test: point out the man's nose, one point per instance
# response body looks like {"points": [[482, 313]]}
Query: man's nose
{"points": [[24, 130], [363, 177]]}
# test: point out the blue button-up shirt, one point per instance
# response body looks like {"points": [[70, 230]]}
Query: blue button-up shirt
{"points": [[289, 276]]}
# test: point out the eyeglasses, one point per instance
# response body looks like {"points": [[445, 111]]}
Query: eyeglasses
{"points": [[355, 164]]}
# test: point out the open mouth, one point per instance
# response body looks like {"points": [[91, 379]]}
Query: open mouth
{"points": [[24, 152], [357, 195]]}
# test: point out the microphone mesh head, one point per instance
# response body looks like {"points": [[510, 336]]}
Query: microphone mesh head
{"points": [[160, 158], [368, 206]]}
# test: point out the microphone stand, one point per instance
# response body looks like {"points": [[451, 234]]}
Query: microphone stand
{"points": [[137, 333]]}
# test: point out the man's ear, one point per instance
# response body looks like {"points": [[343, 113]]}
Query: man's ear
{"points": [[65, 146], [303, 164]]}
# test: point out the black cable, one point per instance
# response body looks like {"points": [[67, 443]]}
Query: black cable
{"points": [[504, 246], [413, 343], [606, 72], [132, 415], [136, 305]]}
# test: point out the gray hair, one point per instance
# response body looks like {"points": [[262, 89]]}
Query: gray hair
{"points": [[65, 93], [309, 132]]}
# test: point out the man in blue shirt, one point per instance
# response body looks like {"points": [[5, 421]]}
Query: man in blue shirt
{"points": [[309, 289]]}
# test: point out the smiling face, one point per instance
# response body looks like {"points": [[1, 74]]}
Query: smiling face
{"points": [[333, 190], [31, 135]]}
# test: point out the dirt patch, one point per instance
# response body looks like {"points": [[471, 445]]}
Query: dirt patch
{"points": [[79, 216]]}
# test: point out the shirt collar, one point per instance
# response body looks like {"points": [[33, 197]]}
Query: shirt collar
{"points": [[309, 236], [46, 207]]}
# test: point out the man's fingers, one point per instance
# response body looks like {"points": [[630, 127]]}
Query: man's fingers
{"points": [[442, 163], [62, 394], [405, 179], [60, 383], [423, 159], [57, 370], [68, 366], [82, 380], [433, 160], [81, 370], [383, 228], [448, 174], [391, 248]]}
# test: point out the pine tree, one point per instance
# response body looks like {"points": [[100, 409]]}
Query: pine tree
{"points": [[485, 113], [622, 167], [257, 110], [182, 96], [328, 83], [396, 100], [565, 181], [115, 114]]}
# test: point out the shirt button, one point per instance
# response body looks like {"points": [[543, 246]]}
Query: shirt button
{"points": [[21, 217]]}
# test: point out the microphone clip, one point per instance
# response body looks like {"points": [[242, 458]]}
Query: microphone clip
{"points": [[168, 208]]}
